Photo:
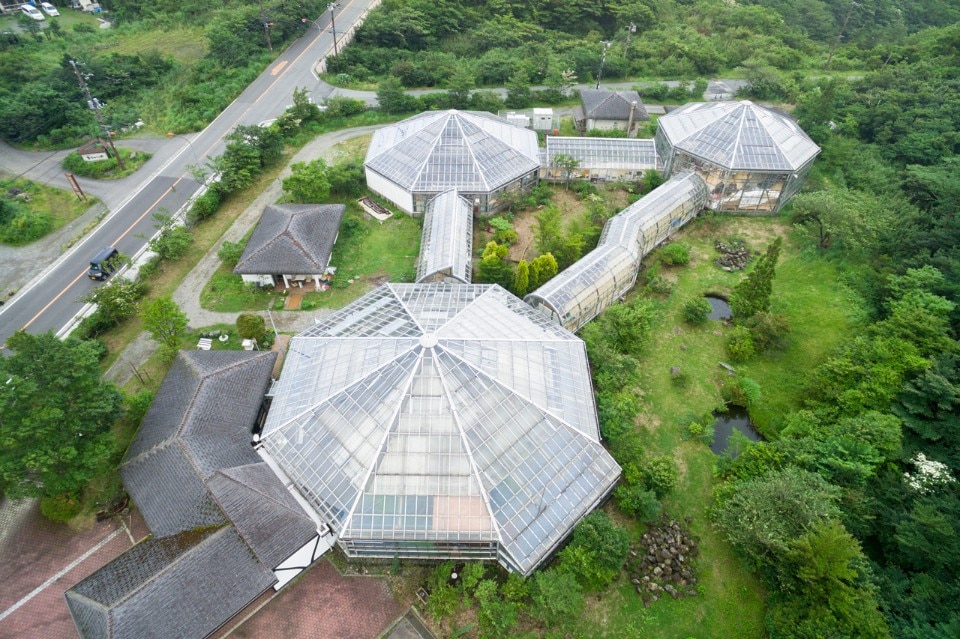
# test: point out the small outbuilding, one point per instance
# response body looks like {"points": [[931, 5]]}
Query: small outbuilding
{"points": [[292, 244], [610, 111], [597, 159]]}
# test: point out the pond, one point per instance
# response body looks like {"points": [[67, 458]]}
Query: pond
{"points": [[735, 418], [720, 308]]}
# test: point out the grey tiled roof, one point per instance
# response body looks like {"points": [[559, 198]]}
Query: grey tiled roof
{"points": [[183, 586], [292, 239], [199, 422], [264, 513], [611, 105]]}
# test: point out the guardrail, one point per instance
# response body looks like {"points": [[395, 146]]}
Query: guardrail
{"points": [[137, 260], [346, 37]]}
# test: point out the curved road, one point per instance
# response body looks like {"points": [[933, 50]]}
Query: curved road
{"points": [[164, 184]]}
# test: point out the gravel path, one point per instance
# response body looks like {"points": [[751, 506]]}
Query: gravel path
{"points": [[187, 295]]}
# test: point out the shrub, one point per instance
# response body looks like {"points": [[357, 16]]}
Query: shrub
{"points": [[60, 507], [767, 330], [137, 405], [740, 344], [635, 500], [660, 474], [697, 311], [25, 227], [701, 431], [230, 253], [557, 598], [675, 254], [250, 326], [204, 206], [507, 237]]}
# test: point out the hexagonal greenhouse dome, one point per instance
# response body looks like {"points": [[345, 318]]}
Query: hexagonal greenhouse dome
{"points": [[752, 157], [440, 421], [477, 153]]}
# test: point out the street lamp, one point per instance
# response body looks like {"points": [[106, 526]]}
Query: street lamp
{"points": [[603, 58], [333, 24], [171, 135]]}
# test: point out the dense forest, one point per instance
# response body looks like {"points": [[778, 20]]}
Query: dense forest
{"points": [[173, 65]]}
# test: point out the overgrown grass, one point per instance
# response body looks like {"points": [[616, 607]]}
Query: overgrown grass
{"points": [[57, 205], [380, 253], [821, 313], [228, 293], [106, 169], [184, 43]]}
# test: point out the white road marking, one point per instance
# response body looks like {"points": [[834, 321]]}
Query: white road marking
{"points": [[49, 582]]}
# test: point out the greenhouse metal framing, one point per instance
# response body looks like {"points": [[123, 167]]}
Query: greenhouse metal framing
{"points": [[477, 153], [447, 240], [441, 420], [599, 159], [752, 158], [598, 279]]}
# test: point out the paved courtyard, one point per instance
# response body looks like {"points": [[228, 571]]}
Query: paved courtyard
{"points": [[39, 560], [325, 604]]}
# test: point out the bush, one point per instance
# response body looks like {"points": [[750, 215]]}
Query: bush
{"points": [[230, 253], [697, 311], [137, 406], [508, 237], [60, 507], [25, 227], [701, 431], [635, 500], [250, 326], [557, 598], [675, 254], [660, 474], [740, 344], [768, 331], [204, 206]]}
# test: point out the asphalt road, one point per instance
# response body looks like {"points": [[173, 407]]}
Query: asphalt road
{"points": [[164, 184]]}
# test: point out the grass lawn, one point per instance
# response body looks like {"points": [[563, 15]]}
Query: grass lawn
{"points": [[820, 312], [59, 205], [380, 253]]}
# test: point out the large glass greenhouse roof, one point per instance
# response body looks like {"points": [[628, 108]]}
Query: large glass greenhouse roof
{"points": [[739, 136], [442, 413], [472, 151], [598, 153], [447, 241]]}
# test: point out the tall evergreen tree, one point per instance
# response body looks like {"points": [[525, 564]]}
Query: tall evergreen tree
{"points": [[752, 294]]}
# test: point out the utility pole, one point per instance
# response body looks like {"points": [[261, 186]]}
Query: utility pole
{"points": [[631, 29], [603, 58], [833, 49], [266, 26], [333, 25], [94, 104]]}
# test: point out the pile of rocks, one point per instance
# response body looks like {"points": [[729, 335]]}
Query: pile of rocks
{"points": [[660, 564], [733, 256]]}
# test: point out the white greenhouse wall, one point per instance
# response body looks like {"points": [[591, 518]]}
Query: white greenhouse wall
{"points": [[390, 190]]}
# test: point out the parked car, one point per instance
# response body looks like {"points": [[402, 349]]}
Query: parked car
{"points": [[31, 12], [103, 263], [49, 9]]}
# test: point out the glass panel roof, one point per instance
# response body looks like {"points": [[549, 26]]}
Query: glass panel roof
{"points": [[447, 238], [438, 150], [739, 135], [603, 153], [441, 412], [604, 274]]}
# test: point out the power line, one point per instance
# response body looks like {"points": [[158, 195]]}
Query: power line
{"points": [[94, 104]]}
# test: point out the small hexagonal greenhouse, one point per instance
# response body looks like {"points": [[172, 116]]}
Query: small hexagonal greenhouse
{"points": [[752, 158]]}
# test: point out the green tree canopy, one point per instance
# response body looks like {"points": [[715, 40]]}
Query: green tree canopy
{"points": [[55, 415], [163, 319], [307, 183]]}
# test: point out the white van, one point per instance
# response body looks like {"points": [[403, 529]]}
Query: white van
{"points": [[31, 11]]}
